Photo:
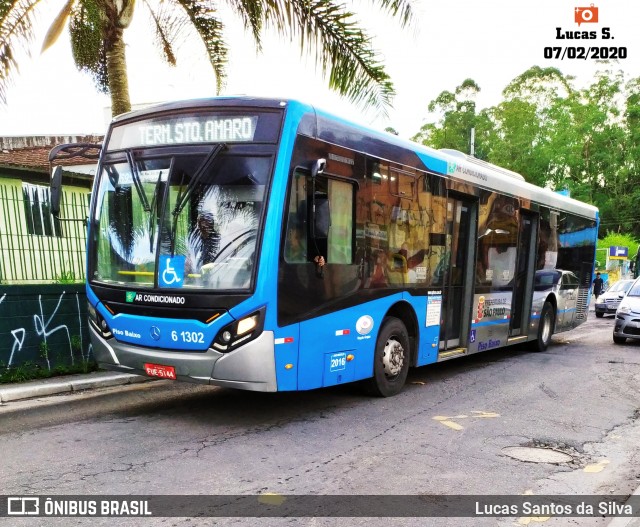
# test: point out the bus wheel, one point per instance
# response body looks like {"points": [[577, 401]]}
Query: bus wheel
{"points": [[391, 359], [545, 328]]}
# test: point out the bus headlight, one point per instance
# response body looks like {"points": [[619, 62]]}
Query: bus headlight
{"points": [[248, 324], [93, 314], [238, 332], [98, 321]]}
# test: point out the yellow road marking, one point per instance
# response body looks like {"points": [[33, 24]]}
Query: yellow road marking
{"points": [[452, 425], [271, 499], [480, 413], [526, 520], [597, 467], [533, 519], [446, 420]]}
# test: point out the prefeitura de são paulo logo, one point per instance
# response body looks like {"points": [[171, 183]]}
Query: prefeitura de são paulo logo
{"points": [[480, 312]]}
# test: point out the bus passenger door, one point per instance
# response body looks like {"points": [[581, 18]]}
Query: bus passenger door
{"points": [[457, 292], [525, 272]]}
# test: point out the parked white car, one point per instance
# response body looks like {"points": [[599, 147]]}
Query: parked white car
{"points": [[607, 303], [627, 324]]}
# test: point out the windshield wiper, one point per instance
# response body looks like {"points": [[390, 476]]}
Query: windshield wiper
{"points": [[185, 194], [137, 182], [235, 243], [153, 214]]}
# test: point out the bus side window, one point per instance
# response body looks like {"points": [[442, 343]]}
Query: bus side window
{"points": [[340, 241], [295, 243]]}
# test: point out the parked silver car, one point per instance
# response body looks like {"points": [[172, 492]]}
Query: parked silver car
{"points": [[564, 288], [607, 303], [627, 324]]}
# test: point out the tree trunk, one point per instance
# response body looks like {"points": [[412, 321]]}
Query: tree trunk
{"points": [[117, 73]]}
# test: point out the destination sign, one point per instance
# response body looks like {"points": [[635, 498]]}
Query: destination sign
{"points": [[184, 129]]}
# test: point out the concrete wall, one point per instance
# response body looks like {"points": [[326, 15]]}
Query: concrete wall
{"points": [[44, 324]]}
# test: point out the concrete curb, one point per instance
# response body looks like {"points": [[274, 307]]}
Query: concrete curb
{"points": [[66, 384], [627, 521]]}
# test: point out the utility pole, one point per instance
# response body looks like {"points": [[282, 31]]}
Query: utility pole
{"points": [[473, 142]]}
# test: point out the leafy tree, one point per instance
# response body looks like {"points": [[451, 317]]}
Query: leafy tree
{"points": [[457, 111], [584, 140], [534, 101], [342, 49]]}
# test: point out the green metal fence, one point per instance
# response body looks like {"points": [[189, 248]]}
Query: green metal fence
{"points": [[32, 253]]}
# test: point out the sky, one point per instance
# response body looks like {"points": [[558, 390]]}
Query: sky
{"points": [[489, 41]]}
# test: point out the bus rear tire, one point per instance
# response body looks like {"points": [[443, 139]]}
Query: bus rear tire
{"points": [[545, 328], [390, 360]]}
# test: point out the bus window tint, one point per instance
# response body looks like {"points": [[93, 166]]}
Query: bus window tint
{"points": [[547, 256], [216, 232], [126, 233], [340, 243], [338, 247], [295, 243], [497, 241]]}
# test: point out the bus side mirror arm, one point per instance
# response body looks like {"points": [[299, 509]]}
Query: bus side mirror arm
{"points": [[319, 209], [318, 167], [319, 217], [56, 190], [88, 151]]}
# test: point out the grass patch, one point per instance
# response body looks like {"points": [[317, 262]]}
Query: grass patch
{"points": [[30, 371]]}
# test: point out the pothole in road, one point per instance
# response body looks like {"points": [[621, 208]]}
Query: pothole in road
{"points": [[536, 454]]}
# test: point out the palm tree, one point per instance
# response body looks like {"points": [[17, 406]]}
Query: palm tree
{"points": [[323, 27]]}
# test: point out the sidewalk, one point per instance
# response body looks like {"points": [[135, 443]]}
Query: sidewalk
{"points": [[626, 521], [66, 384]]}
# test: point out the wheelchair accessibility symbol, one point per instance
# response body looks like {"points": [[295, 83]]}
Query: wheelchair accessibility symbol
{"points": [[171, 272]]}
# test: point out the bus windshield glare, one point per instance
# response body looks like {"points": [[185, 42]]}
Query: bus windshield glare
{"points": [[179, 221]]}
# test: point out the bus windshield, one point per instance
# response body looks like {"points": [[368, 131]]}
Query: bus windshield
{"points": [[179, 221]]}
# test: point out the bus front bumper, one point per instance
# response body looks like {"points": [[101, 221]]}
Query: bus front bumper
{"points": [[250, 367]]}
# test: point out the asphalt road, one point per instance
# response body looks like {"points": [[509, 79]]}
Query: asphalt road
{"points": [[448, 433]]}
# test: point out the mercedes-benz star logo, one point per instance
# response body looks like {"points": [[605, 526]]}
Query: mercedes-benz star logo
{"points": [[155, 332]]}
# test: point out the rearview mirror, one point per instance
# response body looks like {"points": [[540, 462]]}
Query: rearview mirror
{"points": [[318, 167], [56, 190]]}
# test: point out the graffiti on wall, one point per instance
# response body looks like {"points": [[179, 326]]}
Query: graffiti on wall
{"points": [[48, 332]]}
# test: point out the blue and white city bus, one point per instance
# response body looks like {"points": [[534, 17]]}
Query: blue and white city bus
{"points": [[208, 219]]}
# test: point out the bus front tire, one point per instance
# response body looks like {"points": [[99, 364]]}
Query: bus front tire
{"points": [[391, 359], [545, 327]]}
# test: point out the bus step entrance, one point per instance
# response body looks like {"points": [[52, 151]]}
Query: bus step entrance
{"points": [[452, 353]]}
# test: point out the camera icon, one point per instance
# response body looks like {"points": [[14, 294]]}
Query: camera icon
{"points": [[586, 15]]}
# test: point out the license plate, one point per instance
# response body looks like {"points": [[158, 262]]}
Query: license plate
{"points": [[159, 370]]}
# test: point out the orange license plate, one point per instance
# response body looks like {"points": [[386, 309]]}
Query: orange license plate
{"points": [[159, 370]]}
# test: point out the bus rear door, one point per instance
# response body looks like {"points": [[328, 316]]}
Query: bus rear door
{"points": [[461, 232]]}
